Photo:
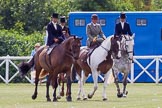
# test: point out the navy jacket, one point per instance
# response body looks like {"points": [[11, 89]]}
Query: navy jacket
{"points": [[126, 30], [53, 33], [66, 29]]}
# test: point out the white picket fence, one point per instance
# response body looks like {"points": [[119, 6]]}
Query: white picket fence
{"points": [[157, 60]]}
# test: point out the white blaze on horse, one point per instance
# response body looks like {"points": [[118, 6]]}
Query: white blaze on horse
{"points": [[123, 64], [99, 61]]}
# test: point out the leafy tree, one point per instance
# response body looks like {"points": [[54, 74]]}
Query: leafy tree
{"points": [[94, 5], [14, 43], [30, 15], [124, 5]]}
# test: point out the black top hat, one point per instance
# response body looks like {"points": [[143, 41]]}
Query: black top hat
{"points": [[122, 15], [94, 16], [55, 15], [62, 19]]}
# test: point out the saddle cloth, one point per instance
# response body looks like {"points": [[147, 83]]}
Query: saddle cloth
{"points": [[50, 48]]}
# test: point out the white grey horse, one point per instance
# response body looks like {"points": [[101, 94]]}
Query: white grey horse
{"points": [[123, 64]]}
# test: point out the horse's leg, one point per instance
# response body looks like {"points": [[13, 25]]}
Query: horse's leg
{"points": [[34, 96], [83, 80], [95, 79], [68, 98], [125, 84], [47, 87], [106, 76], [63, 80], [115, 74], [59, 86], [78, 73], [79, 91], [54, 84]]}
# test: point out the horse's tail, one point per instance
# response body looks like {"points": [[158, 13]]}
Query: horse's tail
{"points": [[24, 67]]}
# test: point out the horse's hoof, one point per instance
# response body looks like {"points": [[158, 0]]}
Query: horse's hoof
{"points": [[68, 98], [48, 100], [84, 98], [119, 95], [78, 98], [89, 96], [34, 97], [104, 99], [58, 97], [124, 95], [55, 100]]}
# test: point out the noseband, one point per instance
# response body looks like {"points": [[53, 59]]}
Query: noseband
{"points": [[126, 45]]}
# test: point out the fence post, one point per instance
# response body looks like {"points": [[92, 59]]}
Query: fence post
{"points": [[157, 70], [7, 69], [132, 73]]}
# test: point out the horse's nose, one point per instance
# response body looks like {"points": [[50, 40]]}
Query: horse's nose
{"points": [[118, 57]]}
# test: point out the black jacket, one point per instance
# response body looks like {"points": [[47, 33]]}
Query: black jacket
{"points": [[126, 30], [53, 33]]}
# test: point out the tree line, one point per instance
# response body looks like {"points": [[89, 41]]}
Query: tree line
{"points": [[32, 15]]}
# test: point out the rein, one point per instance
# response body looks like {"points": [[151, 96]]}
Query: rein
{"points": [[104, 48]]}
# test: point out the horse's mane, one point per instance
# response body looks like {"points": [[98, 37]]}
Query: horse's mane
{"points": [[66, 42], [107, 41]]}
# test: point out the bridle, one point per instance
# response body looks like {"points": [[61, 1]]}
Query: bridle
{"points": [[126, 46], [70, 52], [107, 50]]}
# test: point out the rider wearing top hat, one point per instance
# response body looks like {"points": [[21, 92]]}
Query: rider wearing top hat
{"points": [[65, 29], [122, 28], [54, 31], [94, 32]]}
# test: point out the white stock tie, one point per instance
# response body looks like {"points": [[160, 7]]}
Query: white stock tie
{"points": [[55, 26]]}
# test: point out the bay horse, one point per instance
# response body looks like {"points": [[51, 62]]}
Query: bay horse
{"points": [[61, 80], [100, 61], [123, 64], [59, 60]]}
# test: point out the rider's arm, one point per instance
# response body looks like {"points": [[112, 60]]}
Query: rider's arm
{"points": [[88, 32]]}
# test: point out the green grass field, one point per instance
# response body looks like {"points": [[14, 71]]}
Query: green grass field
{"points": [[140, 96]]}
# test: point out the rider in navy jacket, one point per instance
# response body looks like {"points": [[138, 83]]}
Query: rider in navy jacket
{"points": [[122, 28], [54, 31]]}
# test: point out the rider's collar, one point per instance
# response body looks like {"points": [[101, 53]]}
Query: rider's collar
{"points": [[54, 22]]}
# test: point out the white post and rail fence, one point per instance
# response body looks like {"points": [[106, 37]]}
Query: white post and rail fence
{"points": [[154, 62]]}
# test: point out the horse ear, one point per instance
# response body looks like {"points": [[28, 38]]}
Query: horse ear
{"points": [[116, 37], [74, 37], [80, 38], [133, 35]]}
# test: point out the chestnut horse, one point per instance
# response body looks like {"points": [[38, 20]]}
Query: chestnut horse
{"points": [[61, 59], [99, 61]]}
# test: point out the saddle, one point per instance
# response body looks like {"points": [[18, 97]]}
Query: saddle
{"points": [[45, 56], [90, 51], [50, 48]]}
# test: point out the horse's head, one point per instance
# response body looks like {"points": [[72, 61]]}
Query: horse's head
{"points": [[74, 46], [115, 47], [127, 44]]}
